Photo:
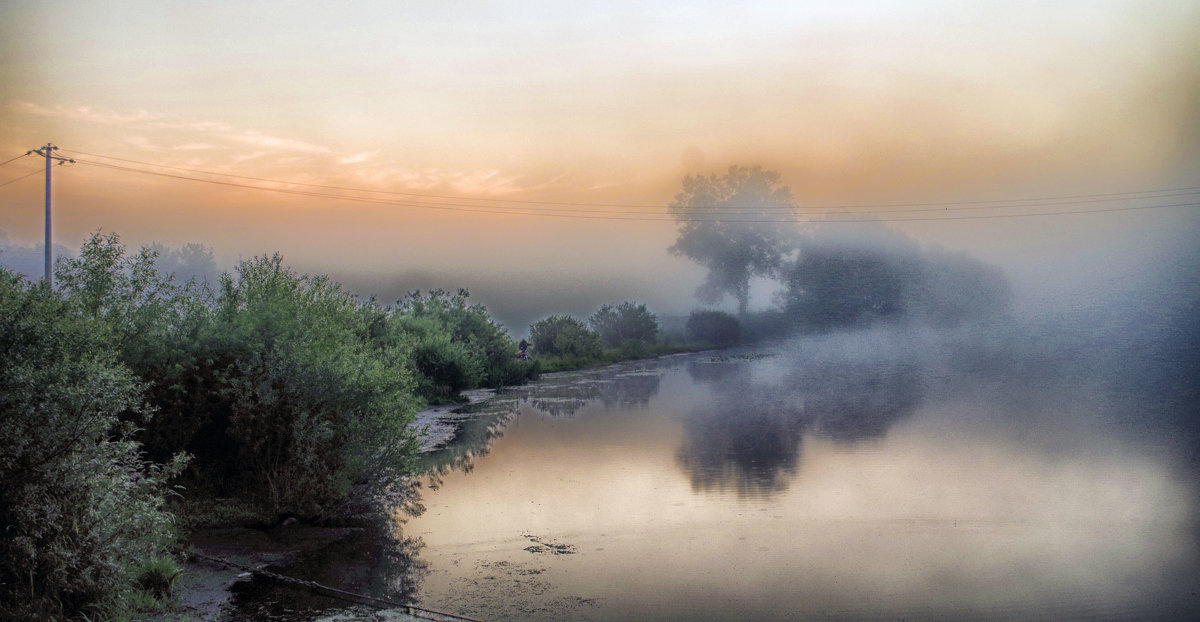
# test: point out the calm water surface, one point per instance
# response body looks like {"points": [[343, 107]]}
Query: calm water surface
{"points": [[1003, 472], [910, 473]]}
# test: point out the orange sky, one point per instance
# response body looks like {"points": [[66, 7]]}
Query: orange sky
{"points": [[586, 103]]}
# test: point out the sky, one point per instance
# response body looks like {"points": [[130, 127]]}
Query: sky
{"points": [[602, 108]]}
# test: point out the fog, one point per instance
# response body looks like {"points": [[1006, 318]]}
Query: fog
{"points": [[1039, 461]]}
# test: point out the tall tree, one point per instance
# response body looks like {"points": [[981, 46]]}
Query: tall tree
{"points": [[738, 225]]}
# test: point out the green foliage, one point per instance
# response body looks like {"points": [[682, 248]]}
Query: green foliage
{"points": [[158, 329], [157, 577], [564, 336], [79, 509], [444, 366], [454, 345], [713, 327], [730, 225], [627, 325], [294, 397], [314, 407], [275, 383]]}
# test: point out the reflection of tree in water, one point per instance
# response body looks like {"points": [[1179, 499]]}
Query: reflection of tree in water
{"points": [[630, 390], [478, 426], [851, 402], [626, 389], [748, 438], [748, 445]]}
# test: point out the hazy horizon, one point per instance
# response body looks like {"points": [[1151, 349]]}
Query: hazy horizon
{"points": [[541, 143]]}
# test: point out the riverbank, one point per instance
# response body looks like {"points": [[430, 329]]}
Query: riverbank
{"points": [[207, 590]]}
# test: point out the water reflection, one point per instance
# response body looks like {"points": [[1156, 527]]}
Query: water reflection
{"points": [[748, 438], [478, 426], [868, 475], [630, 387]]}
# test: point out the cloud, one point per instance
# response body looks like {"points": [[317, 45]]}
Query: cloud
{"points": [[141, 142], [357, 158], [246, 157], [258, 139], [84, 113], [217, 145]]}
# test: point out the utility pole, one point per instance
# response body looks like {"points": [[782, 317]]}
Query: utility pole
{"points": [[48, 152]]}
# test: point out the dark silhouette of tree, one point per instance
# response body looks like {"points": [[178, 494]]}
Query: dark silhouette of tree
{"points": [[715, 327], [860, 273], [725, 225]]}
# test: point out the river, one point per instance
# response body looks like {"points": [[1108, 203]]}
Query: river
{"points": [[1010, 471]]}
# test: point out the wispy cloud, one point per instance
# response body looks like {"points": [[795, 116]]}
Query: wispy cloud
{"points": [[246, 157], [217, 145], [85, 113], [141, 142], [258, 139], [357, 158], [194, 147]]}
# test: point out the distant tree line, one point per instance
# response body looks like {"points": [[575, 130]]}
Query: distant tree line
{"points": [[613, 332], [744, 224]]}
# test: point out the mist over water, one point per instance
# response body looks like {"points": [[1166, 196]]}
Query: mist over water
{"points": [[1026, 466]]}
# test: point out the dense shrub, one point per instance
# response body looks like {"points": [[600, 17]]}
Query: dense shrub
{"points": [[444, 366], [79, 509], [484, 341], [564, 336], [160, 332], [627, 322], [289, 392], [273, 383], [313, 407], [713, 327]]}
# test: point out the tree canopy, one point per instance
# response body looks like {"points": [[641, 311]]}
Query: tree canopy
{"points": [[730, 225]]}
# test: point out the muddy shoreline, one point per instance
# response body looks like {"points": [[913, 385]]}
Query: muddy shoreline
{"points": [[207, 589]]}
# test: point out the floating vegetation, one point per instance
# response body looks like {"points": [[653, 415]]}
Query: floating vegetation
{"points": [[546, 546]]}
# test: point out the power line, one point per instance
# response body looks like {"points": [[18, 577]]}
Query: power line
{"points": [[353, 189], [14, 159], [595, 214], [13, 181], [502, 210], [987, 203]]}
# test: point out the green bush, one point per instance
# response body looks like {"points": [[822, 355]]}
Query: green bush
{"points": [[624, 323], [79, 509], [314, 407], [713, 327], [564, 336], [274, 383], [156, 578], [485, 342], [444, 366], [160, 332]]}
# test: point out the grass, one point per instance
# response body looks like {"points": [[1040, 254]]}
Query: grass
{"points": [[551, 364]]}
